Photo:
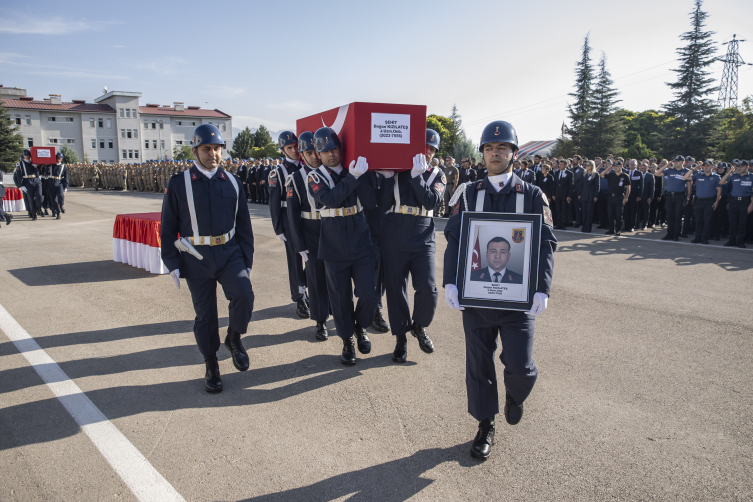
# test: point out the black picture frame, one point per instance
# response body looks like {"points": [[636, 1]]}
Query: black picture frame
{"points": [[500, 296]]}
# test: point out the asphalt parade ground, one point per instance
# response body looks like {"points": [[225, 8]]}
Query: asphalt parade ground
{"points": [[645, 388]]}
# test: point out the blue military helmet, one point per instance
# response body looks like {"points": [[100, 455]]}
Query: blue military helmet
{"points": [[306, 141], [432, 138], [325, 139], [286, 138], [59, 156], [207, 134], [27, 152], [499, 131]]}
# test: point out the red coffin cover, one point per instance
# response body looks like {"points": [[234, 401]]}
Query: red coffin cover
{"points": [[43, 155], [388, 135]]}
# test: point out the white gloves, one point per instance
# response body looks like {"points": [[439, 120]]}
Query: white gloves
{"points": [[23, 189], [184, 246], [387, 174], [539, 304], [175, 274], [304, 255], [282, 238], [65, 190], [419, 165], [249, 272], [451, 297], [359, 167]]}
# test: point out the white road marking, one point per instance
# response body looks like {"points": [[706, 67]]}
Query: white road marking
{"points": [[134, 469]]}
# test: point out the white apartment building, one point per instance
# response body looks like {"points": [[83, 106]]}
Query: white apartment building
{"points": [[115, 128]]}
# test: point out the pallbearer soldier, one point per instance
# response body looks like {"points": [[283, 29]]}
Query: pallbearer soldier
{"points": [[278, 210], [502, 192], [345, 242], [408, 247], [305, 226], [26, 178], [57, 182], [206, 207]]}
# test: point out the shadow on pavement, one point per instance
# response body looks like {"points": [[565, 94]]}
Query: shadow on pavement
{"points": [[79, 273], [392, 481]]}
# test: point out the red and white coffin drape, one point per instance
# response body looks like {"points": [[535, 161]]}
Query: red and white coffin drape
{"points": [[136, 241], [13, 201]]}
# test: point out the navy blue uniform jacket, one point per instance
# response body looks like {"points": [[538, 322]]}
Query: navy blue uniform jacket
{"points": [[343, 238], [215, 201], [298, 203], [534, 202], [485, 275], [408, 233]]}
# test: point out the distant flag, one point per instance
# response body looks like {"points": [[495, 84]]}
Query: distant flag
{"points": [[476, 258]]}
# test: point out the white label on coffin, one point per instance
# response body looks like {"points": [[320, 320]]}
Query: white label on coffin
{"points": [[43, 154], [390, 128]]}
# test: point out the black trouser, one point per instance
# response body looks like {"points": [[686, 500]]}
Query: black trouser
{"points": [[703, 212], [296, 276], [578, 210], [46, 194], [421, 267], [516, 331], [252, 192], [720, 221], [653, 211], [316, 276], [615, 212], [57, 197], [631, 212], [341, 290], [587, 208], [33, 196], [674, 202], [688, 221], [601, 208], [738, 219], [642, 220], [379, 286], [563, 211], [237, 287]]}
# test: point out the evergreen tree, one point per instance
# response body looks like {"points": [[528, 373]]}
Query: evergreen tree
{"points": [[243, 144], [456, 132], [11, 141], [580, 111], [692, 111], [69, 155], [442, 125], [183, 153], [638, 150], [262, 137], [603, 132]]}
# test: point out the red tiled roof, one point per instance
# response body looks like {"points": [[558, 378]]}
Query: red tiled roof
{"points": [[164, 110], [67, 107]]}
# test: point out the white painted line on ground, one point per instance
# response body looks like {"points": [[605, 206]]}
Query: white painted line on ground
{"points": [[605, 236], [134, 469]]}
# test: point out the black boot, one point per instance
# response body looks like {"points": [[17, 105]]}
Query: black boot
{"points": [[62, 209], [484, 440], [513, 412], [424, 342], [364, 344], [8, 218], [400, 355], [302, 310], [321, 331], [234, 345], [349, 352], [45, 212], [58, 216], [212, 380], [379, 323]]}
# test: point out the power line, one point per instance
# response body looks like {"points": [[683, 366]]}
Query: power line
{"points": [[728, 89]]}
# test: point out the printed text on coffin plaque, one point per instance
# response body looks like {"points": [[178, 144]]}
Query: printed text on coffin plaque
{"points": [[390, 128]]}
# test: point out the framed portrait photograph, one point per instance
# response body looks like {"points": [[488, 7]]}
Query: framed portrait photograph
{"points": [[499, 260]]}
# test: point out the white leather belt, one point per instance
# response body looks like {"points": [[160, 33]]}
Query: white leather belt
{"points": [[32, 176], [283, 203], [310, 216], [341, 211], [411, 210], [205, 240]]}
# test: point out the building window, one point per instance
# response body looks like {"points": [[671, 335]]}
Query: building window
{"points": [[162, 144], [154, 125], [154, 144], [122, 133], [136, 133], [128, 133], [109, 143], [161, 125], [223, 127], [193, 123], [125, 154], [130, 154], [18, 119], [128, 113], [68, 119], [146, 144], [101, 122], [94, 144], [70, 141], [53, 141], [28, 120], [109, 123], [135, 154], [50, 119], [146, 124], [102, 144], [178, 142], [91, 122], [180, 123], [121, 113], [134, 114], [30, 142]]}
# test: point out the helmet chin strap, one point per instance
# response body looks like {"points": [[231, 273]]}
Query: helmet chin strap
{"points": [[512, 160]]}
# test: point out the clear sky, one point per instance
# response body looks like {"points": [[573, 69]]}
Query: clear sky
{"points": [[271, 62]]}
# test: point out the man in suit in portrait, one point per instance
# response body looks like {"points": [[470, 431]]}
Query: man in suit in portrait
{"points": [[497, 256]]}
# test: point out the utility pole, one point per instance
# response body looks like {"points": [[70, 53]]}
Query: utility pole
{"points": [[728, 89]]}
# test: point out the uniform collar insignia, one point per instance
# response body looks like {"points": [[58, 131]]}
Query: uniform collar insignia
{"points": [[194, 177]]}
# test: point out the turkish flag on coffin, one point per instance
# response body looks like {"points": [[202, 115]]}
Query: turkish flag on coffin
{"points": [[388, 135]]}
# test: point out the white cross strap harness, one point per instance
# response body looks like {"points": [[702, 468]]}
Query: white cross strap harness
{"points": [[412, 210], [519, 199], [199, 240], [313, 214], [337, 211]]}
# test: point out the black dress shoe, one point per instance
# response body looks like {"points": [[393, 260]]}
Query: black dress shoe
{"points": [[704, 241], [33, 217], [302, 310], [379, 323], [684, 236], [400, 354], [617, 234], [212, 380], [46, 213], [484, 440], [741, 245], [676, 239], [667, 238], [729, 244], [513, 412], [58, 216], [609, 232], [715, 238], [424, 342], [234, 345], [349, 352], [8, 218], [601, 227], [321, 331], [696, 241], [62, 209], [364, 344]]}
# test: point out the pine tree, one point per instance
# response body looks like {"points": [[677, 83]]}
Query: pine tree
{"points": [[580, 111], [692, 111], [456, 132], [603, 130], [11, 141], [243, 144], [262, 137]]}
